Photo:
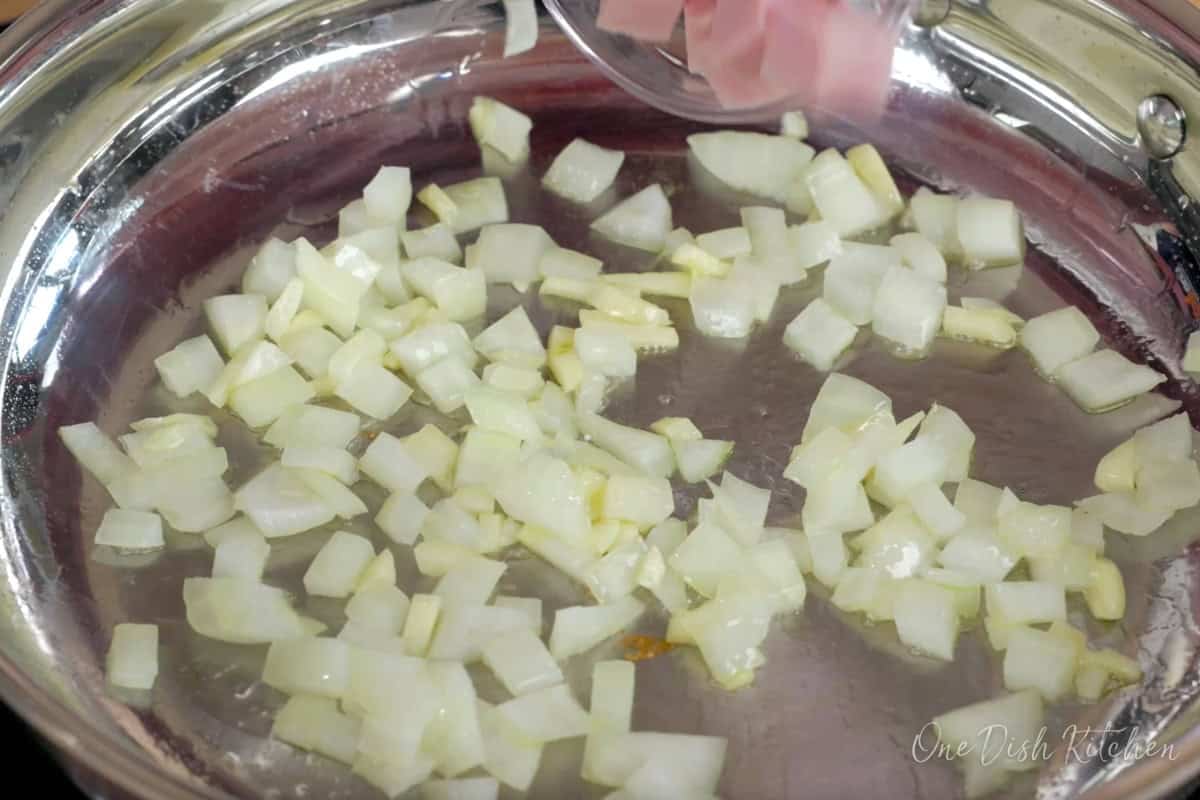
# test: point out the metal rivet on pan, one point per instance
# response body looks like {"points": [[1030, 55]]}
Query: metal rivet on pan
{"points": [[1161, 126], [929, 13]]}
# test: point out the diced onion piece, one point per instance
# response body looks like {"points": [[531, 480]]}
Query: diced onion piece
{"points": [[498, 126], [441, 204], [978, 326], [606, 352], [615, 759], [723, 309], [559, 262], [389, 194], [502, 412], [852, 280], [1027, 602], [1168, 485], [698, 262], [642, 501], [192, 366], [846, 403], [236, 319], [640, 221], [423, 613], [521, 662], [676, 238], [1106, 379], [819, 334], [660, 284], [546, 715], [510, 253], [480, 202], [544, 491], [335, 570], [1105, 592], [280, 504], [470, 582], [926, 617], [701, 459], [241, 554], [458, 292], [447, 383], [473, 788], [794, 124], [132, 661], [281, 313], [1039, 660], [752, 162], [680, 428], [334, 287], [568, 558], [580, 628], [485, 456], [979, 555], [726, 243], [310, 348], [1057, 338], [364, 346], [990, 232], [647, 451], [130, 530], [1035, 530], [936, 218], [1020, 715], [583, 171], [1168, 440], [705, 557], [813, 243], [354, 218], [240, 611], [431, 343], [1120, 511], [448, 521], [512, 338], [331, 493], [314, 426], [388, 462], [841, 196], [1070, 567], [935, 511], [270, 270], [310, 666], [436, 241], [374, 391], [330, 460], [908, 309], [869, 167], [315, 723], [96, 452], [401, 517], [524, 381]]}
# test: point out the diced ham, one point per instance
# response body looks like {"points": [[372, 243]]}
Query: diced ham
{"points": [[854, 70], [738, 82], [647, 20], [793, 51], [697, 26]]}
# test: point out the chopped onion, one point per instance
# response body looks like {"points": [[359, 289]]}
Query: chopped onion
{"points": [[512, 338], [502, 412], [423, 613], [498, 126], [727, 243], [819, 334], [330, 460], [242, 553], [559, 262], [132, 661], [192, 366], [311, 349], [647, 451], [389, 194], [852, 281], [869, 167], [1019, 715], [615, 758], [373, 390], [240, 611], [315, 723], [1057, 338], [846, 403], [95, 451], [989, 231], [458, 292], [309, 666], [936, 218], [280, 504], [698, 262], [1105, 379], [546, 715], [447, 383], [1031, 530], [640, 221], [978, 554], [722, 308], [544, 491], [701, 459], [908, 309], [978, 326], [388, 462], [752, 162], [580, 628], [480, 202], [521, 662], [436, 241], [335, 570], [841, 196], [474, 788], [236, 319], [270, 270], [314, 426], [401, 517], [794, 124], [1027, 601], [510, 253], [926, 617], [130, 530], [583, 171], [606, 352]]}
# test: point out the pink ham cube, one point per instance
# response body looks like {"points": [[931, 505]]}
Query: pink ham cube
{"points": [[697, 26], [647, 20], [855, 67]]}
